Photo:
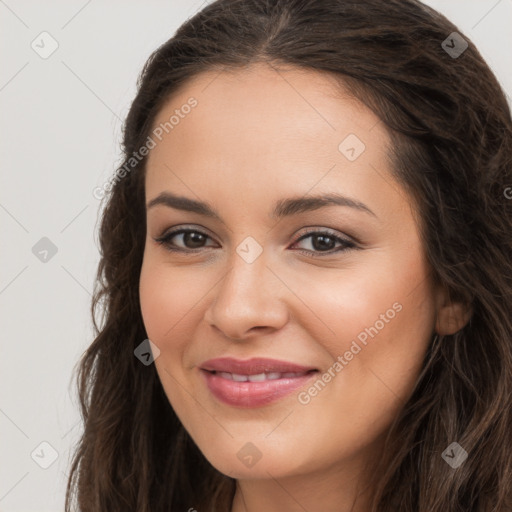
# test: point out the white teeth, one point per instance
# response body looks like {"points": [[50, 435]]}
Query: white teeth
{"points": [[239, 378], [226, 375], [260, 377], [257, 378]]}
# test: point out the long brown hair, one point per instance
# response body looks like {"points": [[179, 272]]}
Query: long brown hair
{"points": [[452, 151]]}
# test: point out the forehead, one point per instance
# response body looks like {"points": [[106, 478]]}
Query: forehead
{"points": [[264, 128], [264, 103]]}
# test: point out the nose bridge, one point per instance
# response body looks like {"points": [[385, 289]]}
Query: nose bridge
{"points": [[248, 296], [245, 274], [246, 283]]}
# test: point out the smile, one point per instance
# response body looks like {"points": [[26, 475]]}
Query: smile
{"points": [[259, 377], [250, 392]]}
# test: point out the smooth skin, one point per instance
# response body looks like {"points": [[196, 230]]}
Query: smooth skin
{"points": [[259, 135]]}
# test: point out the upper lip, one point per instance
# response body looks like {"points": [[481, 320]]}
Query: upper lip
{"points": [[253, 366]]}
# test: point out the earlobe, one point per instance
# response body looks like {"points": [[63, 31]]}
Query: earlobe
{"points": [[452, 316]]}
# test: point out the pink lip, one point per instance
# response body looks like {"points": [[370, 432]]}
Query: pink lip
{"points": [[253, 394]]}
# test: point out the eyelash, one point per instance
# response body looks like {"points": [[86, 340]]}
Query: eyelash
{"points": [[347, 244]]}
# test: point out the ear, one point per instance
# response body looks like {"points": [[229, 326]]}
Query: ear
{"points": [[451, 315]]}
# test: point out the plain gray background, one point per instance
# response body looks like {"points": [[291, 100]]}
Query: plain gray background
{"points": [[60, 125]]}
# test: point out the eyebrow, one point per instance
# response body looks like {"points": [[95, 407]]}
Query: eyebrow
{"points": [[282, 208]]}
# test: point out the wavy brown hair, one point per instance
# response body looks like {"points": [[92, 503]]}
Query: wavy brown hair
{"points": [[451, 131]]}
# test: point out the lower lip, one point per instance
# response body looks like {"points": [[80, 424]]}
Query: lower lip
{"points": [[252, 394]]}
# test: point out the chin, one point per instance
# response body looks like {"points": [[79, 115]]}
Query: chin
{"points": [[256, 460]]}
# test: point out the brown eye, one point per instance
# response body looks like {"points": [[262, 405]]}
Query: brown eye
{"points": [[321, 242], [189, 239], [325, 242]]}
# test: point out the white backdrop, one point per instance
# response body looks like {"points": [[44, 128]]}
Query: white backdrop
{"points": [[61, 122]]}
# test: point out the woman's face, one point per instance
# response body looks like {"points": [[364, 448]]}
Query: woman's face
{"points": [[340, 288]]}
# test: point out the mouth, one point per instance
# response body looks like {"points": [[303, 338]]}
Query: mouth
{"points": [[259, 377], [255, 382]]}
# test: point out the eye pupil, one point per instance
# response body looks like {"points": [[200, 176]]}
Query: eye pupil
{"points": [[323, 245], [196, 239]]}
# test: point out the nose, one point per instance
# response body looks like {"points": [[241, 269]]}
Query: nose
{"points": [[248, 301]]}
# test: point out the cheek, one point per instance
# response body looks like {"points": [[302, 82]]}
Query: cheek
{"points": [[382, 322], [379, 319], [381, 292], [167, 301]]}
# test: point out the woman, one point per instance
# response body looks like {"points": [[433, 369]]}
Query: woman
{"points": [[305, 271]]}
